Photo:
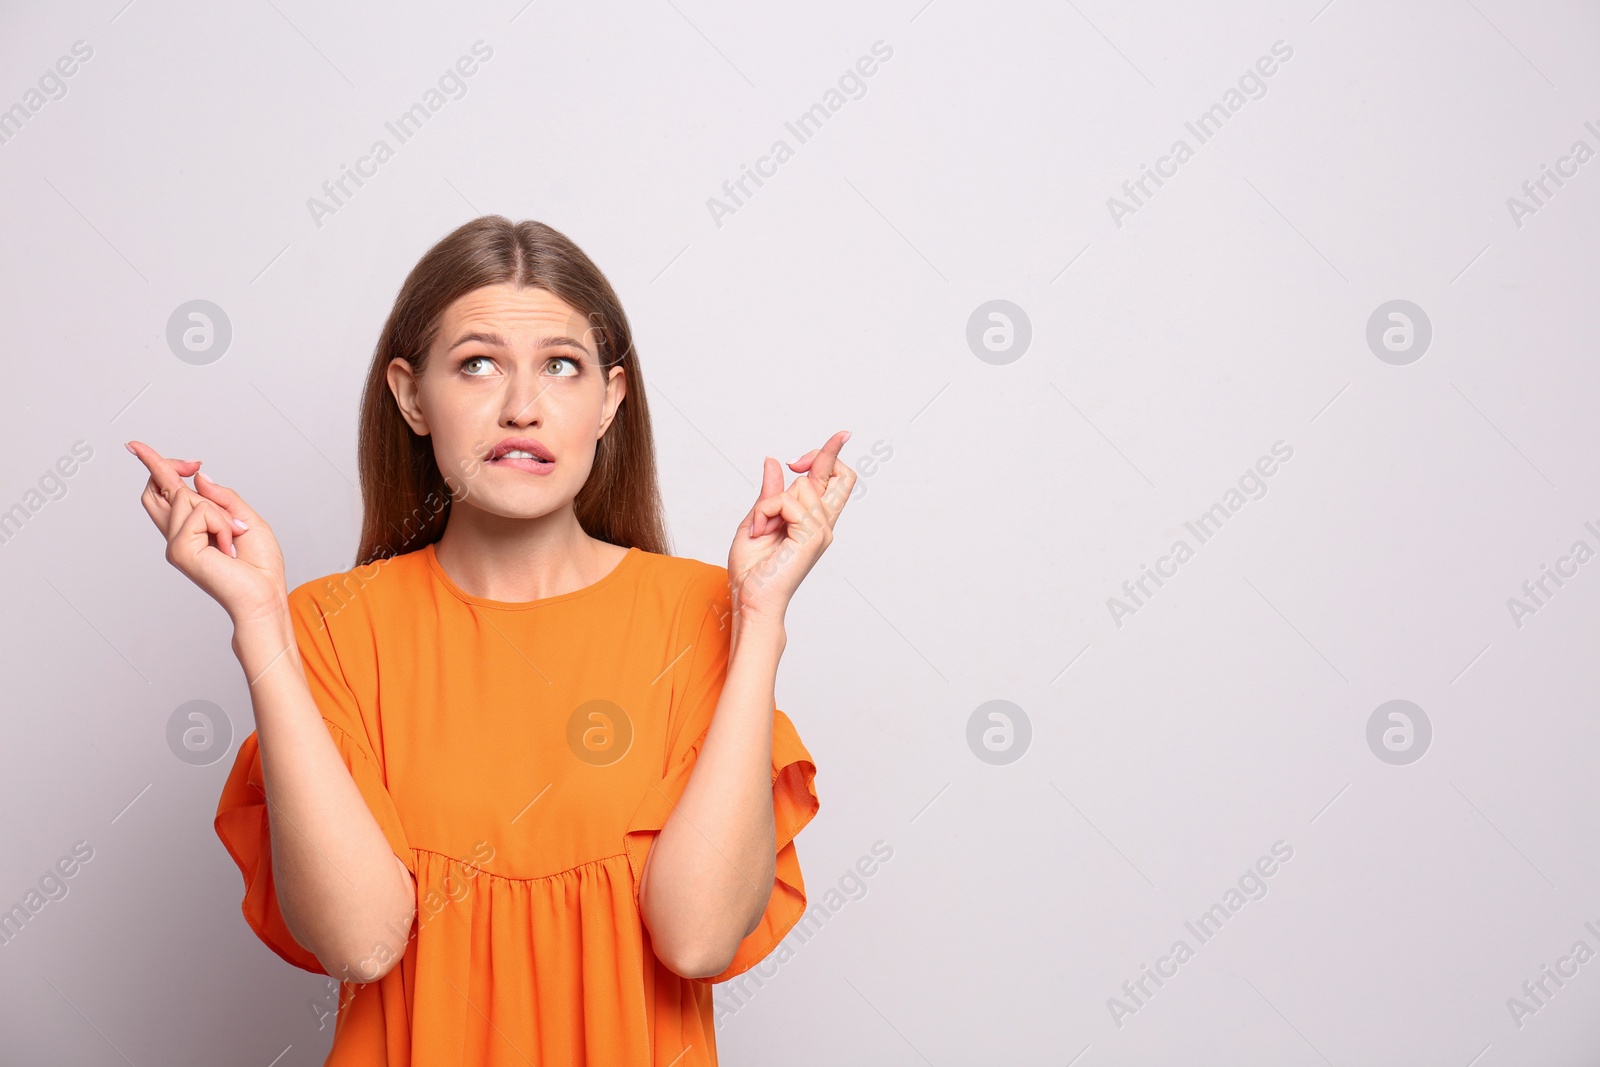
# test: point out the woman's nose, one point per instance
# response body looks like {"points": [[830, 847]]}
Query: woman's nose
{"points": [[521, 406]]}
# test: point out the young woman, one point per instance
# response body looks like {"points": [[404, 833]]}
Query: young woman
{"points": [[517, 779]]}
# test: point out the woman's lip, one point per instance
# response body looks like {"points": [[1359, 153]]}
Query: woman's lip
{"points": [[522, 444], [532, 466]]}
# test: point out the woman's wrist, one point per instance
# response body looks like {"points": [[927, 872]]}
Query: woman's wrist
{"points": [[261, 638], [758, 631]]}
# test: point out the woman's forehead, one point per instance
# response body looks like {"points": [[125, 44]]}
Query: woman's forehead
{"points": [[509, 310]]}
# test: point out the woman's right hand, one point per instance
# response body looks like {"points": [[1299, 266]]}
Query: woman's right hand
{"points": [[214, 537]]}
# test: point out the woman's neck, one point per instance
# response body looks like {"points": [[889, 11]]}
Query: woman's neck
{"points": [[518, 560]]}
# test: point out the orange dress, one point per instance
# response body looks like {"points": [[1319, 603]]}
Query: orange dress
{"points": [[520, 758]]}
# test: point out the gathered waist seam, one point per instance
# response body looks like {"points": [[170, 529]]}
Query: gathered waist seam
{"points": [[469, 865]]}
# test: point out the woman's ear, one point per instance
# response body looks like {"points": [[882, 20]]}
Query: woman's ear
{"points": [[616, 390], [403, 384]]}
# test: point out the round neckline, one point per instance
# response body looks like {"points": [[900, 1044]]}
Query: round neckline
{"points": [[459, 593]]}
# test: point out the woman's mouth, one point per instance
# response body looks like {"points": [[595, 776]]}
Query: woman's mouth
{"points": [[521, 460], [523, 454]]}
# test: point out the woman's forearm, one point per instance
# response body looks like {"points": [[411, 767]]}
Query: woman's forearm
{"points": [[343, 893], [710, 872]]}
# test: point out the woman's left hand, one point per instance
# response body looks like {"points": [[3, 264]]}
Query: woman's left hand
{"points": [[786, 531]]}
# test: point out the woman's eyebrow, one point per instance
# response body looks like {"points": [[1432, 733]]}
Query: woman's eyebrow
{"points": [[500, 342]]}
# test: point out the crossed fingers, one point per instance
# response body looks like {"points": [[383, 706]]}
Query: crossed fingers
{"points": [[169, 501]]}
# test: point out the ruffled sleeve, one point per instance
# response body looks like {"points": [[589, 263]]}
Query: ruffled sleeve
{"points": [[242, 820], [697, 685]]}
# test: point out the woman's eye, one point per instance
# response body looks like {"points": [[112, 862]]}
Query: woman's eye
{"points": [[466, 364], [570, 363]]}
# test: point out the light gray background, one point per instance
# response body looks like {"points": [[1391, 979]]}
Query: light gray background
{"points": [[1229, 312]]}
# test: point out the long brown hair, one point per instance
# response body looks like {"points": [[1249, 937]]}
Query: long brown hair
{"points": [[405, 498]]}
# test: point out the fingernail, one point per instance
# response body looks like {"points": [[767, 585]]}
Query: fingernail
{"points": [[129, 446], [846, 436], [234, 548], [240, 524]]}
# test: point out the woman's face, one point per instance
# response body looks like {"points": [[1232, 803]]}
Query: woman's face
{"points": [[511, 370]]}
